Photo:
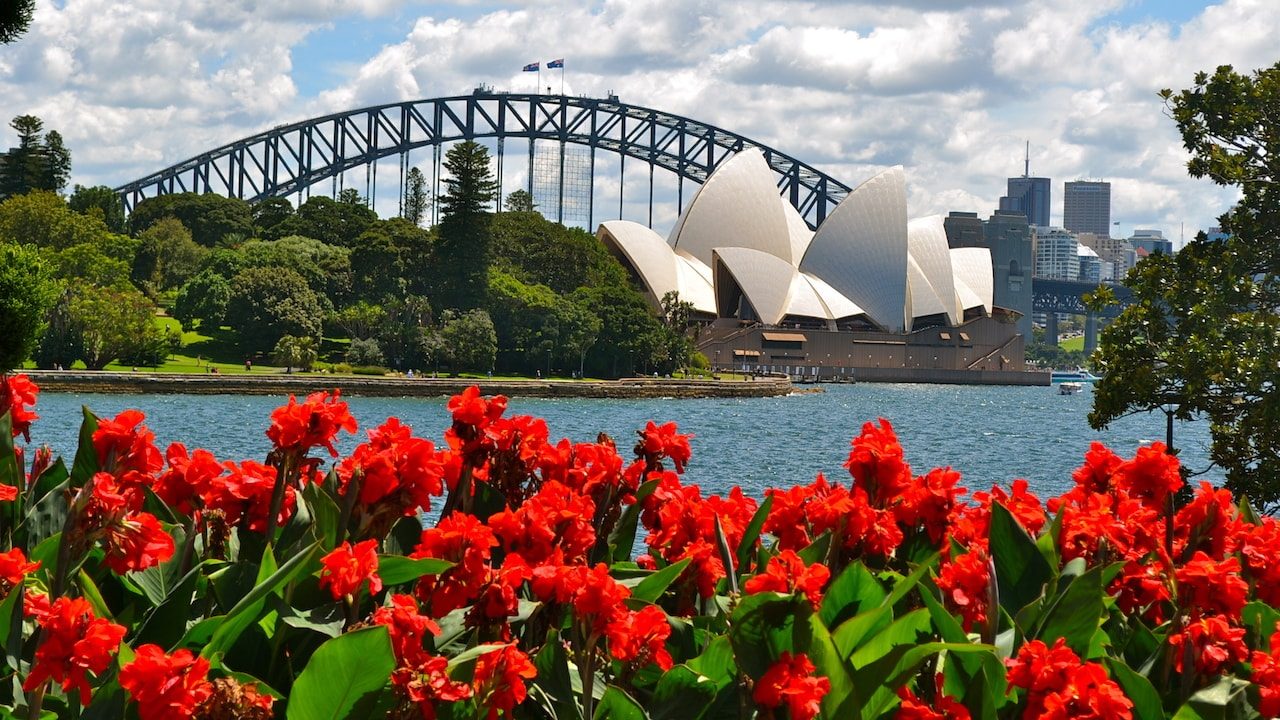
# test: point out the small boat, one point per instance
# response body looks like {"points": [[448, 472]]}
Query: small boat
{"points": [[1079, 375], [1069, 388]]}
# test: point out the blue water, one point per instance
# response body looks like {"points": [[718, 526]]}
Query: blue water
{"points": [[990, 434]]}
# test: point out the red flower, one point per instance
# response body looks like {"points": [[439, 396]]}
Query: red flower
{"points": [[972, 524], [124, 444], [137, 542], [14, 568], [790, 680], [1150, 476], [427, 683], [1207, 587], [298, 427], [9, 493], [786, 573], [75, 644], [946, 707], [597, 597], [1099, 466], [1211, 518], [928, 501], [1260, 548], [468, 543], [876, 463], [1266, 675], [555, 518], [499, 680], [346, 569], [1211, 642], [244, 495], [965, 582], [640, 637], [473, 409], [166, 686], [1143, 588], [394, 467], [407, 627], [1060, 686], [188, 479], [17, 397], [659, 441]]}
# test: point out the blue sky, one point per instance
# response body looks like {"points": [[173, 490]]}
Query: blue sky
{"points": [[949, 90]]}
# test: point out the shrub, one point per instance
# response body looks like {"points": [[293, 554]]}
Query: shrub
{"points": [[364, 352], [368, 370]]}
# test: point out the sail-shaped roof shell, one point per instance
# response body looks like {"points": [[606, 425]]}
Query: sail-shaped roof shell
{"points": [[738, 205]]}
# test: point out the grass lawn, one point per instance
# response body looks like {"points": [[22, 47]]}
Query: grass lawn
{"points": [[199, 352], [1075, 344]]}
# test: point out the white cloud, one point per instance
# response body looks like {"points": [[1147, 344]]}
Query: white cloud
{"points": [[950, 90]]}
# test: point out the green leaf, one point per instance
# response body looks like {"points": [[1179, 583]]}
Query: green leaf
{"points": [[396, 570], [616, 704], [623, 537], [652, 587], [679, 693], [159, 580], [1227, 699], [816, 551], [166, 623], [342, 672], [246, 611], [716, 661], [1021, 571], [1076, 613], [326, 514], [1146, 701], [10, 624], [86, 462], [553, 677], [93, 595], [881, 679], [855, 590], [906, 630], [11, 473], [746, 548]]}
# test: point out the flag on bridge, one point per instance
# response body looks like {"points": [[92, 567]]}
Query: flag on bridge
{"points": [[531, 67], [552, 64]]}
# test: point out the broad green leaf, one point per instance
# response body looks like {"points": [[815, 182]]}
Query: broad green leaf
{"points": [[166, 623], [652, 587], [1260, 619], [616, 704], [159, 580], [245, 612], [680, 694], [326, 514], [761, 628], [396, 569], [342, 672], [726, 555], [746, 548], [623, 537], [880, 680], [716, 661], [10, 623], [11, 473], [1146, 701], [816, 551], [328, 619], [905, 630], [553, 678], [93, 595], [1021, 571], [1227, 699], [857, 629], [86, 462], [1076, 613], [855, 590]]}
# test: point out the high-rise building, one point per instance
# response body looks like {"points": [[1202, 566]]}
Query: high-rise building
{"points": [[1153, 241], [1008, 237], [1028, 196], [1117, 253], [1057, 254], [1090, 265], [1086, 207]]}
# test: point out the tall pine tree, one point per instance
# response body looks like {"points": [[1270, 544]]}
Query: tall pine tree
{"points": [[415, 197], [465, 234]]}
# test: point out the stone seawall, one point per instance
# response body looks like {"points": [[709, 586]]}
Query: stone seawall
{"points": [[944, 376], [167, 383]]}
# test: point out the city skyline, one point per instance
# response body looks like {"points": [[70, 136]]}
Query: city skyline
{"points": [[952, 95]]}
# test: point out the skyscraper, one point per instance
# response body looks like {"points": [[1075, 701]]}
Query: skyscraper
{"points": [[1027, 195], [1086, 207]]}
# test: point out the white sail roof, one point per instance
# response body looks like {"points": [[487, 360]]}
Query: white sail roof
{"points": [[765, 280], [927, 245], [861, 249], [660, 268], [738, 205], [972, 266]]}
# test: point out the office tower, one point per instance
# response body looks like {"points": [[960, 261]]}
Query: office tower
{"points": [[1057, 254], [1086, 207], [1153, 241]]}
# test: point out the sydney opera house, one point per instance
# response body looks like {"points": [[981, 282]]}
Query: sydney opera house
{"points": [[867, 295]]}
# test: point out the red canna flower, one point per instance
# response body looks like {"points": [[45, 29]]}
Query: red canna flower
{"points": [[9, 493], [135, 543], [315, 422], [790, 681], [75, 644], [965, 582], [928, 502], [663, 441], [407, 628], [1260, 548], [597, 597], [1208, 587], [640, 638], [14, 568], [244, 495], [555, 518], [465, 541], [473, 409], [394, 467], [189, 478], [1211, 642], [945, 707], [786, 573], [876, 463], [499, 683], [1100, 464], [1266, 676], [427, 683], [1061, 686], [125, 445], [1212, 521], [1143, 587], [347, 568], [1150, 476], [166, 686], [18, 397]]}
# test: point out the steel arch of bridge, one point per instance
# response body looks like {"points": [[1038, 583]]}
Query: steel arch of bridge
{"points": [[287, 159]]}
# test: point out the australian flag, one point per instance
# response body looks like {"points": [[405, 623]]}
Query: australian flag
{"points": [[531, 67], [552, 64]]}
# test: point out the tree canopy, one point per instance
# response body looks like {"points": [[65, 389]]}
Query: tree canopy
{"points": [[26, 294], [40, 161], [1203, 335], [209, 217], [15, 17]]}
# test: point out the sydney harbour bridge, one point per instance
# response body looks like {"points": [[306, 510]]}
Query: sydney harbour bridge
{"points": [[295, 159]]}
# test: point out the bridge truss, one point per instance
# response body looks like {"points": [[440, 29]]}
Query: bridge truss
{"points": [[290, 159]]}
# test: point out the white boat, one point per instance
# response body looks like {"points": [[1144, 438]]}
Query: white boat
{"points": [[1069, 388], [1079, 375]]}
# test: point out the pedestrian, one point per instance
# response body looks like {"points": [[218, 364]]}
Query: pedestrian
{"points": [[248, 364]]}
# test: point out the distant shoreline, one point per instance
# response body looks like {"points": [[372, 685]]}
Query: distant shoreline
{"points": [[132, 383]]}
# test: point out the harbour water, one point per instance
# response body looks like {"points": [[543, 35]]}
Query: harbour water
{"points": [[990, 434]]}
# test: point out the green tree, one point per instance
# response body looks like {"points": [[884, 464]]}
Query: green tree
{"points": [[167, 257], [111, 323], [326, 268], [519, 201], [202, 299], [582, 328], [23, 169], [539, 251], [100, 201], [629, 336], [270, 212], [57, 163], [365, 352], [469, 341], [361, 321], [416, 197], [332, 222], [269, 303], [15, 18], [27, 292], [89, 262], [1202, 336], [42, 218], [677, 319], [211, 218], [406, 336], [299, 352], [528, 321], [465, 236]]}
